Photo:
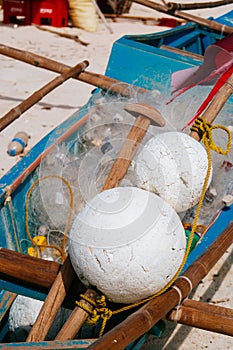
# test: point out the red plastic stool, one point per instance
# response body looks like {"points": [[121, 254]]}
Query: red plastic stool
{"points": [[50, 12], [17, 12]]}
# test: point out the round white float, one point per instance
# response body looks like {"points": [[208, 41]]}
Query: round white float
{"points": [[174, 166], [127, 242]]}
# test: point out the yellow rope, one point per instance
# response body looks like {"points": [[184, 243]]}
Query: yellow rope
{"points": [[62, 250], [204, 130], [100, 310]]}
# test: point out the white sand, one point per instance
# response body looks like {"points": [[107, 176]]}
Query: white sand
{"points": [[19, 80]]}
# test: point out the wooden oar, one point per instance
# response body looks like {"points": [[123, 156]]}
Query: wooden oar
{"points": [[143, 320], [15, 112], [187, 16], [91, 78], [193, 6]]}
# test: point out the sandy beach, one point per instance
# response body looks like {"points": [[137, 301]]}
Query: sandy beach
{"points": [[19, 80]]}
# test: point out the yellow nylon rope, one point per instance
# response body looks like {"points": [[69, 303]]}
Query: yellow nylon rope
{"points": [[204, 129]]}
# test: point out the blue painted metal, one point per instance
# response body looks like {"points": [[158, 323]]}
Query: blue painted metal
{"points": [[146, 65], [219, 226], [139, 59], [226, 19], [69, 344], [80, 344], [134, 59]]}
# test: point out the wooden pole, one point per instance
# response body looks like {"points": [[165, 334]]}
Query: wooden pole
{"points": [[186, 16], [204, 316], [52, 303], [193, 6], [76, 319], [144, 19], [34, 273], [208, 307], [142, 320], [16, 112], [94, 79], [145, 116], [26, 269], [127, 153], [64, 35], [216, 104]]}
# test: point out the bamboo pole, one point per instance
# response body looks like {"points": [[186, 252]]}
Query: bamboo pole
{"points": [[16, 112], [144, 19], [95, 79], [186, 16], [142, 320], [216, 309], [34, 273], [216, 104], [27, 270], [193, 6], [204, 316]]}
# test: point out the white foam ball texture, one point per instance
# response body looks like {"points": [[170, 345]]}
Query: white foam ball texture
{"points": [[128, 243], [174, 166]]}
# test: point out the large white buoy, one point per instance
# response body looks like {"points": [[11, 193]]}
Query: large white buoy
{"points": [[174, 166], [127, 242]]}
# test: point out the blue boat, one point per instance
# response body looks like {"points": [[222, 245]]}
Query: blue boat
{"points": [[139, 61]]}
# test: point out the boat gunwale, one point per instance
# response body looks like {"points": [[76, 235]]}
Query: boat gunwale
{"points": [[11, 180]]}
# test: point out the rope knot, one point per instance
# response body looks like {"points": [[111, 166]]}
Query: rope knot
{"points": [[205, 132], [201, 127], [105, 313], [93, 317], [101, 301], [99, 311]]}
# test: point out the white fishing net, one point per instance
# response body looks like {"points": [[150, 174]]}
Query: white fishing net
{"points": [[85, 161]]}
